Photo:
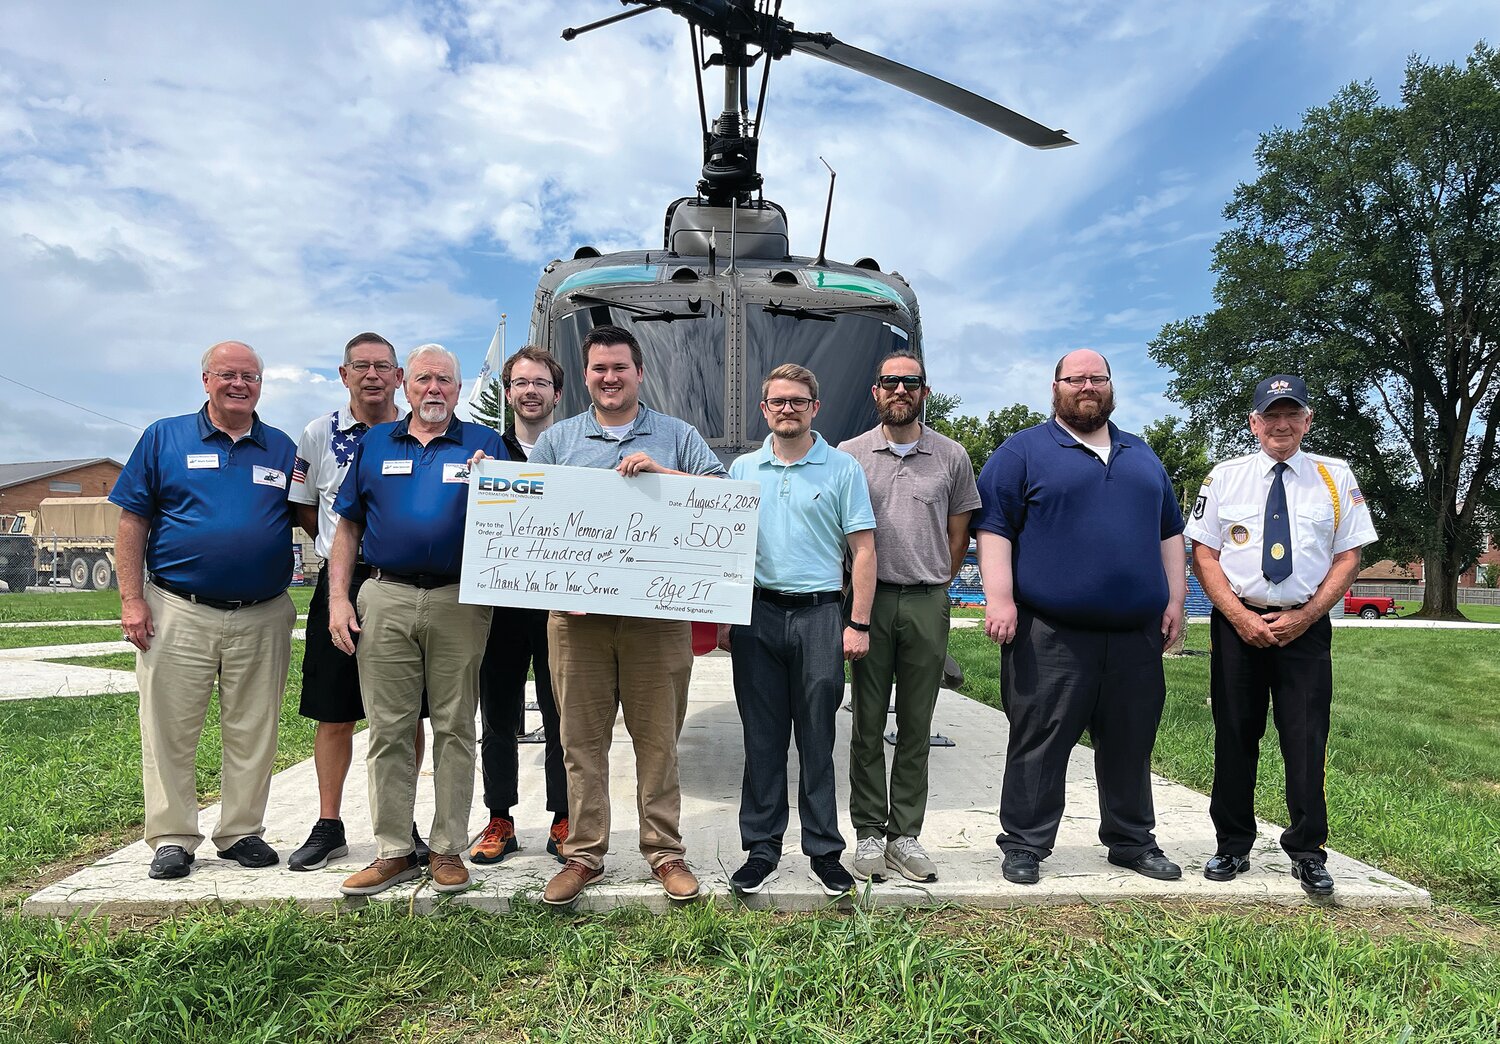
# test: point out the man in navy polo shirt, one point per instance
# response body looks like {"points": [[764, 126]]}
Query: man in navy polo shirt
{"points": [[203, 507], [1080, 547], [406, 495]]}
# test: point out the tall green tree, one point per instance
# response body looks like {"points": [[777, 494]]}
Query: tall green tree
{"points": [[1182, 452], [1366, 257], [490, 409], [978, 437]]}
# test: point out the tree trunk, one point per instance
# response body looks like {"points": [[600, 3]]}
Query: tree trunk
{"points": [[1440, 594]]}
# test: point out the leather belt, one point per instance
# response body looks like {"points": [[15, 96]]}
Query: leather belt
{"points": [[1269, 608], [424, 581], [884, 585], [791, 600], [226, 604]]}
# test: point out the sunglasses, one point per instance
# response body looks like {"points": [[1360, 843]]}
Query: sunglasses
{"points": [[892, 381]]}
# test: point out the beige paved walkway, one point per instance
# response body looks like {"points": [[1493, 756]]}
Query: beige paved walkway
{"points": [[960, 832]]}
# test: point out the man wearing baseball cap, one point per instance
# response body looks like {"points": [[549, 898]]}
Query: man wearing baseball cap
{"points": [[1276, 541]]}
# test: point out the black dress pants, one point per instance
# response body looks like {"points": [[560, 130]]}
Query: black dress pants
{"points": [[517, 641], [1297, 682], [1056, 681]]}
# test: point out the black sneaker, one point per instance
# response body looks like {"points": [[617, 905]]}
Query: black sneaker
{"points": [[1020, 867], [753, 876], [830, 873], [324, 843], [251, 852], [169, 862], [423, 852]]}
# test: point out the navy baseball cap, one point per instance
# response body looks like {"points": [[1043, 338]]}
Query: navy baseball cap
{"points": [[1281, 386]]}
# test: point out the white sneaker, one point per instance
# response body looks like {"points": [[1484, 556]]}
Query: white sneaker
{"points": [[869, 859], [906, 856]]}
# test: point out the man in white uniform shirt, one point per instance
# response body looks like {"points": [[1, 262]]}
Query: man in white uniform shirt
{"points": [[330, 679], [1276, 541]]}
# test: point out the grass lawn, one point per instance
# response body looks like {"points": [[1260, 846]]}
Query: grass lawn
{"points": [[1414, 786], [1476, 613], [88, 605], [42, 634]]}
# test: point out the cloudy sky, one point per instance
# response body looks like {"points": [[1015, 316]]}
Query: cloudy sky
{"points": [[174, 174]]}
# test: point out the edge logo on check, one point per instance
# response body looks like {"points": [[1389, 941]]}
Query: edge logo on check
{"points": [[528, 484]]}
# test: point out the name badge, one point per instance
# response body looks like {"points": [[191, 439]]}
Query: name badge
{"points": [[395, 467], [195, 461], [262, 476], [456, 473]]}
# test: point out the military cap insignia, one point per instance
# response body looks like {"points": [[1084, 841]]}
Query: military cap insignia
{"points": [[1281, 386]]}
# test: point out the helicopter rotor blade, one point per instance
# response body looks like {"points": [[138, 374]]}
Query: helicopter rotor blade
{"points": [[966, 103]]}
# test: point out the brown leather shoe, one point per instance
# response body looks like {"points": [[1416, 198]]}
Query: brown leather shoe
{"points": [[382, 874], [677, 879], [448, 873], [573, 878]]}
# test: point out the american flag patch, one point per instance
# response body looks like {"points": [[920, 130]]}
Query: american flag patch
{"points": [[1355, 496], [299, 470]]}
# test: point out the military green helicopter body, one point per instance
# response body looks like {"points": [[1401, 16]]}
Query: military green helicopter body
{"points": [[724, 299]]}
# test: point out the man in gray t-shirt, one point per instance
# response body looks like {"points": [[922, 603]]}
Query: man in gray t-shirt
{"points": [[922, 488], [601, 662]]}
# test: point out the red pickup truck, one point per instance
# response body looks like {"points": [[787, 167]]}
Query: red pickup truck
{"points": [[1368, 608]]}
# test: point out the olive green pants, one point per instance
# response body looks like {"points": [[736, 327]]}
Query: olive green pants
{"points": [[908, 646]]}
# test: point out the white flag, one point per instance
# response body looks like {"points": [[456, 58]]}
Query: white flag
{"points": [[491, 368]]}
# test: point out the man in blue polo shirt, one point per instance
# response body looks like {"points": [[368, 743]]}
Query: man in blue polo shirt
{"points": [[1080, 547], [789, 659], [405, 496], [203, 507]]}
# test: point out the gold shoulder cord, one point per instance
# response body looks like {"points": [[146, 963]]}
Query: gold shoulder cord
{"points": [[1333, 493]]}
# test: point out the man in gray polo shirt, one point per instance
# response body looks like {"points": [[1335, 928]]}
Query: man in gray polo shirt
{"points": [[922, 488], [602, 662]]}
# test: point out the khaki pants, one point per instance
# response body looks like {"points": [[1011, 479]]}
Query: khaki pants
{"points": [[410, 638], [643, 667], [248, 652]]}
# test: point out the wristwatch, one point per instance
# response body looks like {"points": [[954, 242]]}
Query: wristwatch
{"points": [[863, 627]]}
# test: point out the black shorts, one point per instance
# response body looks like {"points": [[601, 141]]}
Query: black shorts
{"points": [[330, 679]]}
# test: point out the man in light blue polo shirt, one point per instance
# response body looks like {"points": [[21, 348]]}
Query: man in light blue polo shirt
{"points": [[203, 507], [788, 660], [406, 496]]}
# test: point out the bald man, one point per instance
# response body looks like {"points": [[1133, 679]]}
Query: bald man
{"points": [[204, 509], [1080, 548]]}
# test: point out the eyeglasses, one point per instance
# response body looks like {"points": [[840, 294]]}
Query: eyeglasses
{"points": [[797, 405], [521, 384], [892, 381], [366, 367], [1098, 381], [229, 376]]}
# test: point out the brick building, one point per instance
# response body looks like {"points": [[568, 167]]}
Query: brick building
{"points": [[1389, 572], [23, 486]]}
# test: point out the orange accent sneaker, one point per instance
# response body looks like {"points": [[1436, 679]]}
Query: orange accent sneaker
{"points": [[677, 879], [496, 841], [555, 837]]}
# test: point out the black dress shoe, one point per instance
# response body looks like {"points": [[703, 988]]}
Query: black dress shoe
{"points": [[1151, 864], [1020, 867], [170, 861], [1313, 876], [1225, 867], [252, 852]]}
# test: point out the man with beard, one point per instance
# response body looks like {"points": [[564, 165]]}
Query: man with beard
{"points": [[604, 665], [922, 489], [330, 679], [533, 382], [1081, 551], [788, 660], [406, 496]]}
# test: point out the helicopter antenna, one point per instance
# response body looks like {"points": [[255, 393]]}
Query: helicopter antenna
{"points": [[827, 213]]}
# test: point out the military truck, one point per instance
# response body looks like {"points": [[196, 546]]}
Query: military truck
{"points": [[66, 542]]}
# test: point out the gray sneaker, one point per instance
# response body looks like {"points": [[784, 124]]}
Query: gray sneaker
{"points": [[869, 859], [906, 856]]}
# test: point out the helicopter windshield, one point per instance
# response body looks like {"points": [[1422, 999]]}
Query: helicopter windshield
{"points": [[842, 348], [684, 361]]}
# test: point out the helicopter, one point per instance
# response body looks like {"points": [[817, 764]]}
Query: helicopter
{"points": [[724, 300]]}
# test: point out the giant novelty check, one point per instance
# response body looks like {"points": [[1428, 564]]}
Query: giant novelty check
{"points": [[543, 536]]}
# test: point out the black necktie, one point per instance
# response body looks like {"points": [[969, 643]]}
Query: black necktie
{"points": [[1276, 547]]}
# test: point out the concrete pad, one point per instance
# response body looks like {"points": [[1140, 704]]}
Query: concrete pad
{"points": [[33, 680], [959, 834]]}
